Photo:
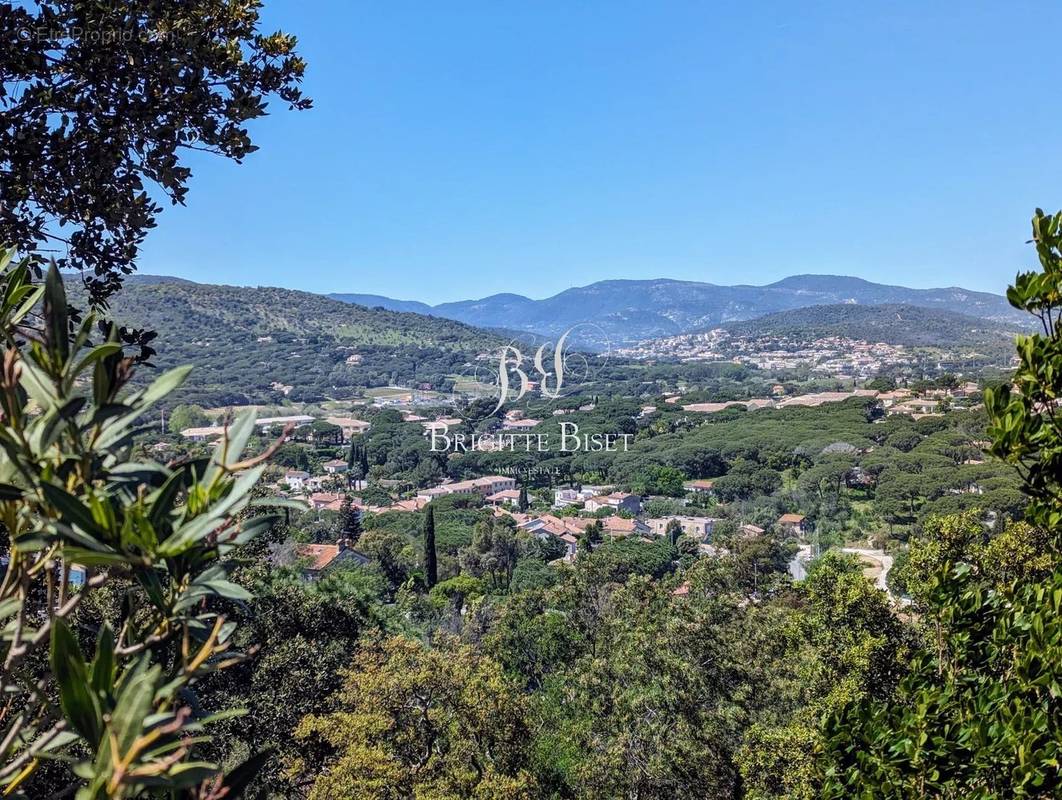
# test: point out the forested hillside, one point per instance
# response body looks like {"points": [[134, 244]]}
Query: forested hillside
{"points": [[891, 323], [245, 340]]}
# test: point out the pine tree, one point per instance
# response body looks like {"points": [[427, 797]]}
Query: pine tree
{"points": [[431, 566]]}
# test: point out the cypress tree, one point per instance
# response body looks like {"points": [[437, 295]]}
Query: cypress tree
{"points": [[349, 521], [522, 503], [431, 566], [674, 531]]}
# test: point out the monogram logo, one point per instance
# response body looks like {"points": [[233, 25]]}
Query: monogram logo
{"points": [[512, 362], [549, 373]]}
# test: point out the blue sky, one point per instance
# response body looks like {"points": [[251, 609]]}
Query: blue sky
{"points": [[460, 149]]}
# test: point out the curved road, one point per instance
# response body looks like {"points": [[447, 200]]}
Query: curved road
{"points": [[798, 566], [877, 555]]}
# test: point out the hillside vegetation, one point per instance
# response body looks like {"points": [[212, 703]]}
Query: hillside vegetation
{"points": [[245, 341], [891, 323]]}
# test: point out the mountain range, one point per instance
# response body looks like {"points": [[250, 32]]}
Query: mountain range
{"points": [[619, 312], [264, 344]]}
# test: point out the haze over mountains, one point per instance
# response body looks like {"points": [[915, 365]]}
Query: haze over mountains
{"points": [[626, 311]]}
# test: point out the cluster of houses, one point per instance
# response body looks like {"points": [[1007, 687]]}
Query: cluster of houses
{"points": [[618, 514]]}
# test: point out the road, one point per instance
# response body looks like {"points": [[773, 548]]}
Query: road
{"points": [[798, 566], [880, 557]]}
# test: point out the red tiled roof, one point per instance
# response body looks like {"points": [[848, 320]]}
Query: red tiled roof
{"points": [[319, 555], [619, 524]]}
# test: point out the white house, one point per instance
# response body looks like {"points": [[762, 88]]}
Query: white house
{"points": [[203, 434], [617, 501], [573, 497], [508, 497], [485, 486], [296, 479], [699, 528]]}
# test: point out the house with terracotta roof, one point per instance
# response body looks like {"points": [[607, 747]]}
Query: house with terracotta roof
{"points": [[566, 530], [751, 530], [349, 426], [617, 501], [520, 424], [509, 497], [317, 559], [571, 545], [416, 504], [699, 528], [699, 486], [793, 524], [485, 486], [327, 501], [619, 527]]}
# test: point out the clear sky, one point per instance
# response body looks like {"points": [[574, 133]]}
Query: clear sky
{"points": [[459, 149]]}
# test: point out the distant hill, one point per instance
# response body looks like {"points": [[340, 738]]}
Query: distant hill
{"points": [[625, 311], [145, 279], [379, 301], [243, 340], [891, 323]]}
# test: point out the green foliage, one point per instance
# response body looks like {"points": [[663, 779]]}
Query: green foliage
{"points": [[667, 481], [414, 722], [892, 323], [635, 556], [192, 75], [495, 548], [1025, 428], [70, 498], [243, 340], [978, 715], [531, 574], [300, 635], [431, 566], [183, 417]]}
